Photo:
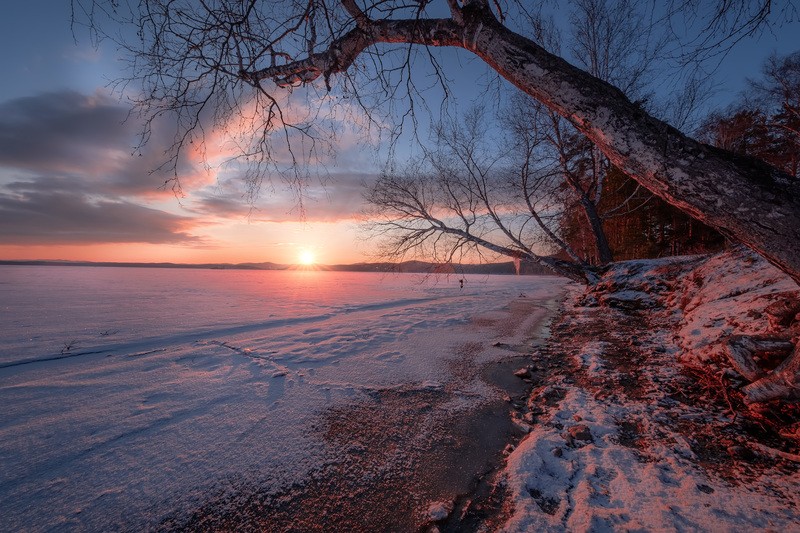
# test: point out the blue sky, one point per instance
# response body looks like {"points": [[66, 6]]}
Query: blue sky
{"points": [[70, 188]]}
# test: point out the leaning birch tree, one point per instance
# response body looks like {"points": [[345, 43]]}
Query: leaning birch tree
{"points": [[194, 57], [235, 60]]}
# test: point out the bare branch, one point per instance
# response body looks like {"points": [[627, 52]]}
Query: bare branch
{"points": [[201, 60]]}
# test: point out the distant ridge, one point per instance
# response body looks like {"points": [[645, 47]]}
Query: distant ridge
{"points": [[419, 267], [422, 267], [214, 266]]}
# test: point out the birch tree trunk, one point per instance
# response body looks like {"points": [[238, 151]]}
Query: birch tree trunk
{"points": [[743, 198]]}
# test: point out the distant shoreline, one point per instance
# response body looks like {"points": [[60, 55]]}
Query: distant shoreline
{"points": [[416, 267]]}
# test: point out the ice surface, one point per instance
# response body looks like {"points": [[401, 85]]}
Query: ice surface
{"points": [[132, 394]]}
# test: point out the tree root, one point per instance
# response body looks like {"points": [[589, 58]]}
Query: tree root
{"points": [[743, 350], [772, 452], [783, 382], [784, 310]]}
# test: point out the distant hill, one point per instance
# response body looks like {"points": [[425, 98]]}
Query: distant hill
{"points": [[213, 266], [404, 267], [439, 268]]}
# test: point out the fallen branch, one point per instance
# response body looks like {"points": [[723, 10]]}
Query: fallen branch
{"points": [[772, 452], [783, 382], [743, 349]]}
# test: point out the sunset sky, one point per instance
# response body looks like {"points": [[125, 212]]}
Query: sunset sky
{"points": [[70, 187]]}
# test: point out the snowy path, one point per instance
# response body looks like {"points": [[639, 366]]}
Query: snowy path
{"points": [[149, 422]]}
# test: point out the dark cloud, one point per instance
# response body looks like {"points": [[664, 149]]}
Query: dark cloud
{"points": [[68, 176], [221, 206], [339, 198], [54, 130], [88, 138], [56, 216]]}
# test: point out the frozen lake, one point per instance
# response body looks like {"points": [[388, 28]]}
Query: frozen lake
{"points": [[169, 398]]}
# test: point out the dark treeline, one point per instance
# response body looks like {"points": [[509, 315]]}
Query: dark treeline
{"points": [[639, 225]]}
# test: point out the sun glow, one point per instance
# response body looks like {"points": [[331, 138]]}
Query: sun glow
{"points": [[306, 257]]}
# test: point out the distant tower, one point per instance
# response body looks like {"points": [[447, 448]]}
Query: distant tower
{"points": [[516, 264]]}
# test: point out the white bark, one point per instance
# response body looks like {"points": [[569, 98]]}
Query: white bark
{"points": [[744, 199]]}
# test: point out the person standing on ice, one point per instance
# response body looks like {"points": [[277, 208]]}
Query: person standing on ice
{"points": [[461, 282]]}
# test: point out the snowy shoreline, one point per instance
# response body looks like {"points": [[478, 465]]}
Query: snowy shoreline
{"points": [[381, 408], [414, 454], [639, 424]]}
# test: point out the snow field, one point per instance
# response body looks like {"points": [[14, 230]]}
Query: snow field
{"points": [[183, 385]]}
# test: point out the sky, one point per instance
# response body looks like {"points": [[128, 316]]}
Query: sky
{"points": [[73, 187]]}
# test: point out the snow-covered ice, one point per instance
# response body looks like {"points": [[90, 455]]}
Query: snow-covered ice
{"points": [[168, 399], [131, 395]]}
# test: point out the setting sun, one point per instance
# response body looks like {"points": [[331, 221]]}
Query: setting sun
{"points": [[306, 257]]}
